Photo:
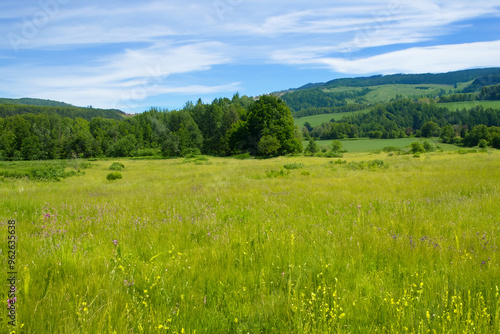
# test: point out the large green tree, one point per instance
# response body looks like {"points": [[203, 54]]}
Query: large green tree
{"points": [[270, 117]]}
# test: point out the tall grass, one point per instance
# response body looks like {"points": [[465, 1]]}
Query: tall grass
{"points": [[221, 247]]}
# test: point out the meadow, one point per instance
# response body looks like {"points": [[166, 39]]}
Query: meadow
{"points": [[360, 145], [316, 120], [362, 244]]}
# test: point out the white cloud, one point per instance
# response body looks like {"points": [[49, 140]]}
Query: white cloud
{"points": [[163, 38], [440, 58], [132, 75]]}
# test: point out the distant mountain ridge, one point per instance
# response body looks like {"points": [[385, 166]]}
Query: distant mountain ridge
{"points": [[449, 78], [35, 102]]}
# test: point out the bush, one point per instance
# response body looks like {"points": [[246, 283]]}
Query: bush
{"points": [[428, 147], [114, 176], [85, 165], [417, 147], [483, 143], [41, 173], [293, 166], [197, 160], [243, 156], [277, 173], [338, 162], [117, 166], [372, 165], [332, 154], [389, 149]]}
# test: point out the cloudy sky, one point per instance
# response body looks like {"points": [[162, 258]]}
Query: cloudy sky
{"points": [[133, 55]]}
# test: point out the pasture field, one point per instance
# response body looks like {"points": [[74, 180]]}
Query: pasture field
{"points": [[360, 145], [220, 245], [385, 93], [316, 120]]}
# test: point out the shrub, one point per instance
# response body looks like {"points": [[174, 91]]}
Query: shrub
{"points": [[293, 166], [417, 147], [305, 173], [428, 147], [243, 156], [114, 176], [117, 166], [338, 162], [372, 165], [85, 165], [197, 160], [332, 154], [277, 173], [389, 149], [483, 143]]}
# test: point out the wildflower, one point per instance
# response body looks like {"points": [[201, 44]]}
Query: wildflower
{"points": [[115, 242]]}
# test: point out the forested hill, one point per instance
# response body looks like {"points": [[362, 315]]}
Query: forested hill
{"points": [[352, 94], [450, 78], [35, 102], [13, 107]]}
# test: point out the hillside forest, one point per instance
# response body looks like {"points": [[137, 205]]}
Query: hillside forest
{"points": [[261, 126]]}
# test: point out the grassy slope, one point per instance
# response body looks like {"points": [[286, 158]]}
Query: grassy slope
{"points": [[324, 118], [387, 92], [222, 248]]}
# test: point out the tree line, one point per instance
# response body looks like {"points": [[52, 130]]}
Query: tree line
{"points": [[224, 127], [491, 93], [403, 118]]}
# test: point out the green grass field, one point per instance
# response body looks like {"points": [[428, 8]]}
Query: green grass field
{"points": [[324, 118], [387, 92], [214, 245], [369, 145]]}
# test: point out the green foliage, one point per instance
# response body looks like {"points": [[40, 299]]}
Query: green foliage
{"points": [[336, 146], [244, 156], [370, 165], [269, 116], [338, 162], [114, 176], [146, 152], [12, 107], [84, 165], [483, 143], [427, 146], [277, 173], [118, 166], [430, 129], [43, 172], [389, 149], [312, 147], [197, 159], [417, 147], [268, 146], [294, 165], [490, 93], [476, 134]]}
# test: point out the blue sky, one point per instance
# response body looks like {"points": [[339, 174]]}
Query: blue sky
{"points": [[133, 55]]}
